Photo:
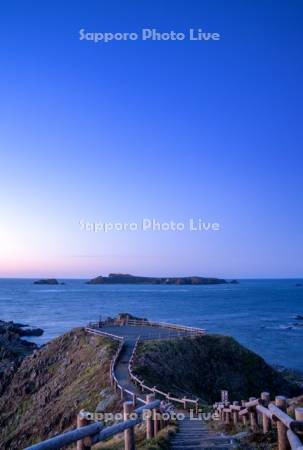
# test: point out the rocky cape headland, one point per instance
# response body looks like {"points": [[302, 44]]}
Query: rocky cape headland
{"points": [[51, 384], [119, 278]]}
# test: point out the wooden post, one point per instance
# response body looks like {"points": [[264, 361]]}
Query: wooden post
{"points": [[224, 396], [129, 435], [156, 421], [122, 393], [197, 406], [265, 396], [235, 413], [227, 415], [84, 444], [149, 419], [283, 443], [134, 400], [253, 416], [160, 419], [222, 415], [244, 418], [299, 414]]}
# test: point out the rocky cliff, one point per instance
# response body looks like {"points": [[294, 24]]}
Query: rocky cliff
{"points": [[52, 385]]}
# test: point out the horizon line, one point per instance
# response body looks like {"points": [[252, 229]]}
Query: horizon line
{"points": [[151, 276]]}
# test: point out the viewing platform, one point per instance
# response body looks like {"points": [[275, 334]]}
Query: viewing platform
{"points": [[130, 329]]}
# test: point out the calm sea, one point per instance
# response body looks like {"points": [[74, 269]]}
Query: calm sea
{"points": [[258, 313]]}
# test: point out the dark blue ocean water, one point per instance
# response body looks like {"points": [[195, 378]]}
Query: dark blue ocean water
{"points": [[258, 313]]}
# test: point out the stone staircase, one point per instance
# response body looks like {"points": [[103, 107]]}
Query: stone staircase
{"points": [[194, 435]]}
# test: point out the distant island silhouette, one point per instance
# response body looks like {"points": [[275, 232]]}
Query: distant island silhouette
{"points": [[119, 278]]}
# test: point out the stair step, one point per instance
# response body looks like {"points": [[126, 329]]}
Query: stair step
{"points": [[191, 435], [199, 442], [200, 447], [195, 435]]}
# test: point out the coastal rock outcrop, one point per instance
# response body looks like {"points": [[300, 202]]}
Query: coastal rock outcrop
{"points": [[13, 349], [52, 385], [119, 278]]}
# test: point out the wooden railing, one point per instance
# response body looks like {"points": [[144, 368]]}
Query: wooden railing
{"points": [[262, 413], [148, 323], [87, 436], [113, 379], [171, 326], [185, 402]]}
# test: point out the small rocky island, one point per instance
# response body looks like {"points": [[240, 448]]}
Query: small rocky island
{"points": [[51, 281], [119, 278]]}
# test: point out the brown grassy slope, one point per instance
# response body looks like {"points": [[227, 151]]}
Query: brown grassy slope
{"points": [[204, 365], [52, 385]]}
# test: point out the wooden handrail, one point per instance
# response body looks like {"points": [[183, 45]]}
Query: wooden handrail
{"points": [[287, 427], [279, 415], [67, 438], [131, 374], [154, 389], [294, 441], [94, 431], [103, 333], [147, 323], [261, 409]]}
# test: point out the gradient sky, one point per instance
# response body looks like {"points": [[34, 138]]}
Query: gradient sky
{"points": [[170, 130]]}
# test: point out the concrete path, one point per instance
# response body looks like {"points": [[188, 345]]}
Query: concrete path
{"points": [[121, 370]]}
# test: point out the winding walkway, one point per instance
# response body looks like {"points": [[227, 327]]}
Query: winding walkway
{"points": [[130, 335], [121, 369], [192, 434]]}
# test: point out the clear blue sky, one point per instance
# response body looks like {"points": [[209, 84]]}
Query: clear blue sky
{"points": [[170, 130]]}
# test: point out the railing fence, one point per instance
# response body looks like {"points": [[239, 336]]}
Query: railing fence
{"points": [[264, 414]]}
